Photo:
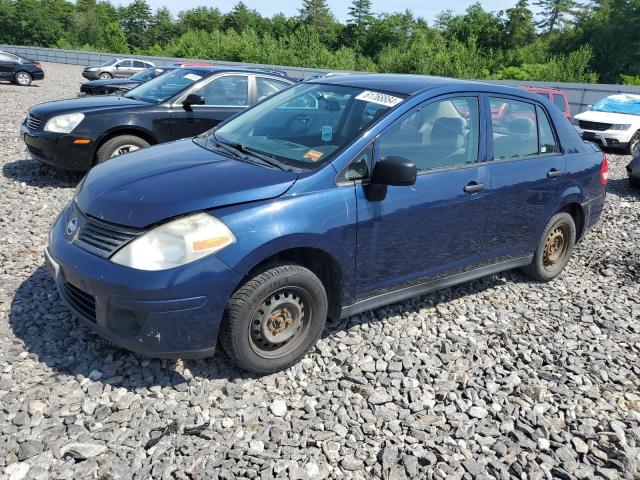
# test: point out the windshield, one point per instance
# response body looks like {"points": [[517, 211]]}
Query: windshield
{"points": [[162, 88], [108, 63], [306, 125], [622, 103], [147, 74]]}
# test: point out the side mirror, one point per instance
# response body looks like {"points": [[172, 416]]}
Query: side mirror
{"points": [[192, 99], [395, 171]]}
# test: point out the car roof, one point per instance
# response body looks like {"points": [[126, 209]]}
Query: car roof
{"points": [[533, 88], [407, 84], [221, 69]]}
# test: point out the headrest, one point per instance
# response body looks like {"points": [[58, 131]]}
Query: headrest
{"points": [[522, 126], [449, 130]]}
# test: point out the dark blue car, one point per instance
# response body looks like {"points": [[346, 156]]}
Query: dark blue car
{"points": [[333, 197]]}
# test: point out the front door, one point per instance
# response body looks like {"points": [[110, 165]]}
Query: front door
{"points": [[527, 176], [435, 227], [124, 68], [224, 96]]}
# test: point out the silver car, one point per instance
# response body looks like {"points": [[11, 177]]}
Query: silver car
{"points": [[116, 68]]}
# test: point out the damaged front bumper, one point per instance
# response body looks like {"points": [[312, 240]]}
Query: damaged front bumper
{"points": [[172, 313]]}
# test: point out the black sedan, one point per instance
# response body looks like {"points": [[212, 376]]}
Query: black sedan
{"points": [[19, 70], [78, 133], [114, 86]]}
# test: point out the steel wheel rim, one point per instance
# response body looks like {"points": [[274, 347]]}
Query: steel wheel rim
{"points": [[280, 323], [104, 76], [124, 149], [22, 78], [555, 247]]}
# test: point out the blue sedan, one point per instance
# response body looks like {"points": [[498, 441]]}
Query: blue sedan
{"points": [[336, 196]]}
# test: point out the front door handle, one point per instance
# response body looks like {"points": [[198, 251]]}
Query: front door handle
{"points": [[553, 173], [474, 187]]}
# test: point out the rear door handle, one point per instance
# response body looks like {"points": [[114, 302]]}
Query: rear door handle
{"points": [[553, 173], [474, 187]]}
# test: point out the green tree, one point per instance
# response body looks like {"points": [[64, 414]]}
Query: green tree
{"points": [[136, 18], [200, 18], [556, 14], [519, 29], [162, 28], [360, 19], [316, 14], [115, 39]]}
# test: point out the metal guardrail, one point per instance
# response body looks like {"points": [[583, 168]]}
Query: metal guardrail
{"points": [[580, 95]]}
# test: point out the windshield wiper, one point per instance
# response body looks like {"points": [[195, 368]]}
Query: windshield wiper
{"points": [[239, 147]]}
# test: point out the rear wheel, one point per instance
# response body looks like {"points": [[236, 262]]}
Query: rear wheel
{"points": [[119, 146], [554, 249], [105, 76], [23, 78], [634, 143], [274, 318]]}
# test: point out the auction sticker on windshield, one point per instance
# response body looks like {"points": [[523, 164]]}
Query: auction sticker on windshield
{"points": [[379, 98], [192, 76], [313, 155]]}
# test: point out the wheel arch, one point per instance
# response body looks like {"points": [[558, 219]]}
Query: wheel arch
{"points": [[319, 260], [128, 130]]}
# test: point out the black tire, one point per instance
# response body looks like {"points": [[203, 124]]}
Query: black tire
{"points": [[282, 293], [110, 148], [634, 182], [105, 76], [22, 78], [634, 143], [553, 253]]}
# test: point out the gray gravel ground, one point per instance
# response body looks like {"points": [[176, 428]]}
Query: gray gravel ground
{"points": [[498, 378]]}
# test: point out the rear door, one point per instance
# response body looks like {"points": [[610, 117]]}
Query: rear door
{"points": [[138, 66], [435, 227], [7, 65], [224, 96], [527, 172]]}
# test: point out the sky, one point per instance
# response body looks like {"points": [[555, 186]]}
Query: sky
{"points": [[421, 8]]}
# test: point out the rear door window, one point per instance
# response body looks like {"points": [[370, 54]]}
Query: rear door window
{"points": [[227, 91], [266, 87], [139, 64], [520, 129], [436, 135]]}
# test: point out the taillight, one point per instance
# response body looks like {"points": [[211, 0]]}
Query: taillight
{"points": [[38, 64], [604, 169]]}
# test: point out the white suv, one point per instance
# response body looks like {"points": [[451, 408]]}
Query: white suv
{"points": [[613, 122]]}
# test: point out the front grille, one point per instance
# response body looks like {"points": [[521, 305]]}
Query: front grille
{"points": [[34, 123], [103, 238], [35, 151], [599, 127], [80, 301]]}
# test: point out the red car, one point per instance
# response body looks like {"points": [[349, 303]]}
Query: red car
{"points": [[558, 97]]}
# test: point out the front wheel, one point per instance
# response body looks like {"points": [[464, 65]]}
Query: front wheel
{"points": [[23, 79], [119, 146], [634, 143], [105, 76], [554, 249], [274, 318]]}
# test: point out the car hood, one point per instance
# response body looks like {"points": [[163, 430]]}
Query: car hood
{"points": [[607, 117], [84, 105], [151, 185], [124, 82]]}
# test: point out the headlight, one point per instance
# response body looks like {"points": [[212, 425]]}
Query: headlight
{"points": [[176, 243], [620, 126], [64, 123]]}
